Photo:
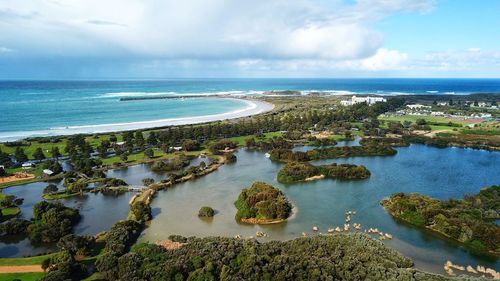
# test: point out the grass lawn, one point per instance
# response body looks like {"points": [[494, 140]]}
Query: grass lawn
{"points": [[241, 140], [135, 157], [37, 171], [58, 195], [25, 276], [11, 211], [481, 132], [29, 149], [24, 261], [428, 118]]}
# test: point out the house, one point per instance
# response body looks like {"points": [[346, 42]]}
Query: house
{"points": [[48, 172], [27, 165], [442, 103], [437, 113], [120, 144]]}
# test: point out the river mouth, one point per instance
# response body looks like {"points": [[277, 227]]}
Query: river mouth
{"points": [[440, 173]]}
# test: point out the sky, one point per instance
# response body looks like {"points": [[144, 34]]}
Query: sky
{"points": [[149, 39]]}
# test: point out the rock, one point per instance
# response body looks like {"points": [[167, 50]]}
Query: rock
{"points": [[260, 234], [471, 269], [315, 228]]}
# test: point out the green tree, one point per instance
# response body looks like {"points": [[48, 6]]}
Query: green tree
{"points": [[148, 181], [20, 155], [51, 188], [152, 139], [5, 159], [54, 151], [124, 157], [38, 154], [141, 211], [149, 153], [190, 145], [76, 245], [139, 139], [420, 122]]}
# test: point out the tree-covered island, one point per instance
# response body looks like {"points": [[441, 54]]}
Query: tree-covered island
{"points": [[332, 152], [304, 171], [262, 204], [470, 221]]}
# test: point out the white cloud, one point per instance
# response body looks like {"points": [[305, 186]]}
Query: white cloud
{"points": [[200, 29], [385, 60], [452, 60]]}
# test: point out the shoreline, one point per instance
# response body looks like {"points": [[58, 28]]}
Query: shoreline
{"points": [[253, 107]]}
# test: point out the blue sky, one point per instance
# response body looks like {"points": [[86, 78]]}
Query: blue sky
{"points": [[89, 39]]}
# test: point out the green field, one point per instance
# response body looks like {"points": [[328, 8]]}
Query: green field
{"points": [[428, 118], [24, 261], [30, 147], [28, 276], [241, 140]]}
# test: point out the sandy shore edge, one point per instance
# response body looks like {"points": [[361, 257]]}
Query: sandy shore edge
{"points": [[253, 107]]}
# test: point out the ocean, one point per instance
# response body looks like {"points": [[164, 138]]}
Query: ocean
{"points": [[44, 108]]}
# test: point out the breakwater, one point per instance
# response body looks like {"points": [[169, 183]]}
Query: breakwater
{"points": [[173, 97]]}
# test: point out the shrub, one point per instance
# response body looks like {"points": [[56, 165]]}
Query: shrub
{"points": [[206, 212], [262, 201]]}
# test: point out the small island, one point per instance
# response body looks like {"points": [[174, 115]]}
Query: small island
{"points": [[262, 203], [206, 212], [470, 221], [380, 149], [303, 171]]}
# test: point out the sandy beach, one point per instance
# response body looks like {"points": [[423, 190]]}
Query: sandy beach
{"points": [[252, 107]]}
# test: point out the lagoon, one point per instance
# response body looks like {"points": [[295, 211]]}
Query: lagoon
{"points": [[441, 173]]}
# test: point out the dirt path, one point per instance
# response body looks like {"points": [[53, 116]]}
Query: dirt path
{"points": [[20, 268], [433, 133]]}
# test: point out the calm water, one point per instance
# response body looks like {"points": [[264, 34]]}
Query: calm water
{"points": [[35, 107], [99, 212], [441, 173]]}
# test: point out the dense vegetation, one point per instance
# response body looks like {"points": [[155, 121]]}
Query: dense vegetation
{"points": [[51, 221], [118, 241], [339, 257], [332, 152], [262, 203], [176, 163], [141, 211], [469, 221], [300, 171]]}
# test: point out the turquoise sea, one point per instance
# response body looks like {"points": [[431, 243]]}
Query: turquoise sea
{"points": [[30, 108]]}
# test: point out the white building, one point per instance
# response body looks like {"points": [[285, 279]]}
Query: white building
{"points": [[48, 172], [368, 100], [417, 106]]}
